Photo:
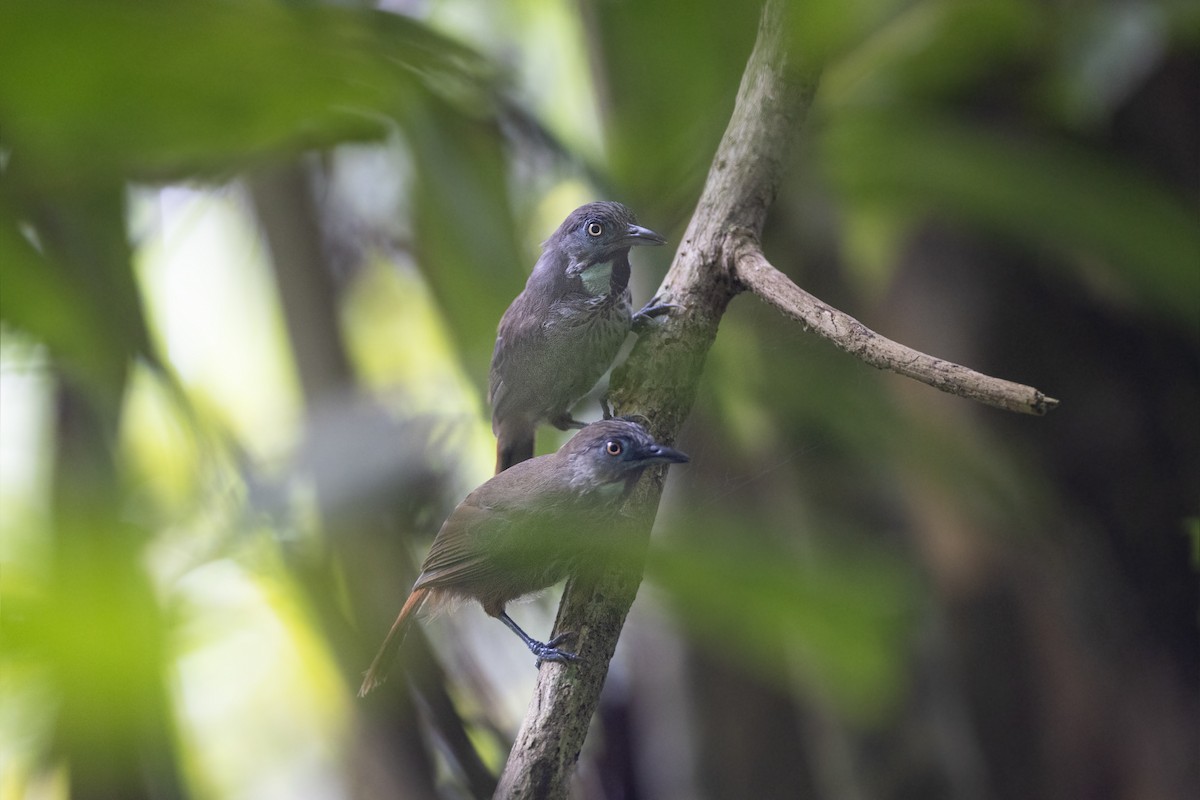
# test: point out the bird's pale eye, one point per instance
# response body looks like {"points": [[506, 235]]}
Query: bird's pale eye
{"points": [[614, 448], [595, 229]]}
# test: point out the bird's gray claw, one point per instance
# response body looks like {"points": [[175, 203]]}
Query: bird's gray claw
{"points": [[650, 312], [605, 408], [550, 652], [565, 636], [566, 422]]}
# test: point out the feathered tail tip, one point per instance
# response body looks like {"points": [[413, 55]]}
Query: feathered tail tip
{"points": [[371, 682], [377, 673]]}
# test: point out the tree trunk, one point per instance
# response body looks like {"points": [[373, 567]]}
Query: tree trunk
{"points": [[659, 382]]}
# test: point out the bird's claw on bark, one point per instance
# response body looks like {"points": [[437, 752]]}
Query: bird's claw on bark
{"points": [[649, 312], [549, 651]]}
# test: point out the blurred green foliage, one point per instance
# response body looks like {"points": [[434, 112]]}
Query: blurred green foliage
{"points": [[126, 89], [1051, 194], [837, 622]]}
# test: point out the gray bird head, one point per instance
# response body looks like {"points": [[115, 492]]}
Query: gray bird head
{"points": [[612, 451], [597, 232]]}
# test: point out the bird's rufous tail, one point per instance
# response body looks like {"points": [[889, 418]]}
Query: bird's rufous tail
{"points": [[378, 671]]}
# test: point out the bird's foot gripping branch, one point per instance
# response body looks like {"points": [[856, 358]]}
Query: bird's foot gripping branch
{"points": [[545, 651]]}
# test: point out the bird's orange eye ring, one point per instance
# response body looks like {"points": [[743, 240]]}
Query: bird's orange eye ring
{"points": [[614, 448], [595, 229]]}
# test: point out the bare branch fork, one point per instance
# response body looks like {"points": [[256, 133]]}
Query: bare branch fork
{"points": [[719, 257]]}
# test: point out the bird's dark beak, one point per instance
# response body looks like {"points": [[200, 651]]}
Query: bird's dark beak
{"points": [[661, 454], [639, 235]]}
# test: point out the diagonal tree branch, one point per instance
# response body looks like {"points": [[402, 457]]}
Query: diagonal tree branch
{"points": [[844, 331], [659, 382]]}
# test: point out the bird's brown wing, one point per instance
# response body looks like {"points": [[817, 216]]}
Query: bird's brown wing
{"points": [[514, 393], [458, 554], [498, 522], [517, 338]]}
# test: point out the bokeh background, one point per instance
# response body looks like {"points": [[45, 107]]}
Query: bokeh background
{"points": [[252, 257]]}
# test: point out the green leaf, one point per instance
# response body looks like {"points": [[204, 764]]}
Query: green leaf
{"points": [[837, 621], [466, 236], [167, 90], [1112, 220], [668, 96], [73, 290], [937, 48]]}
